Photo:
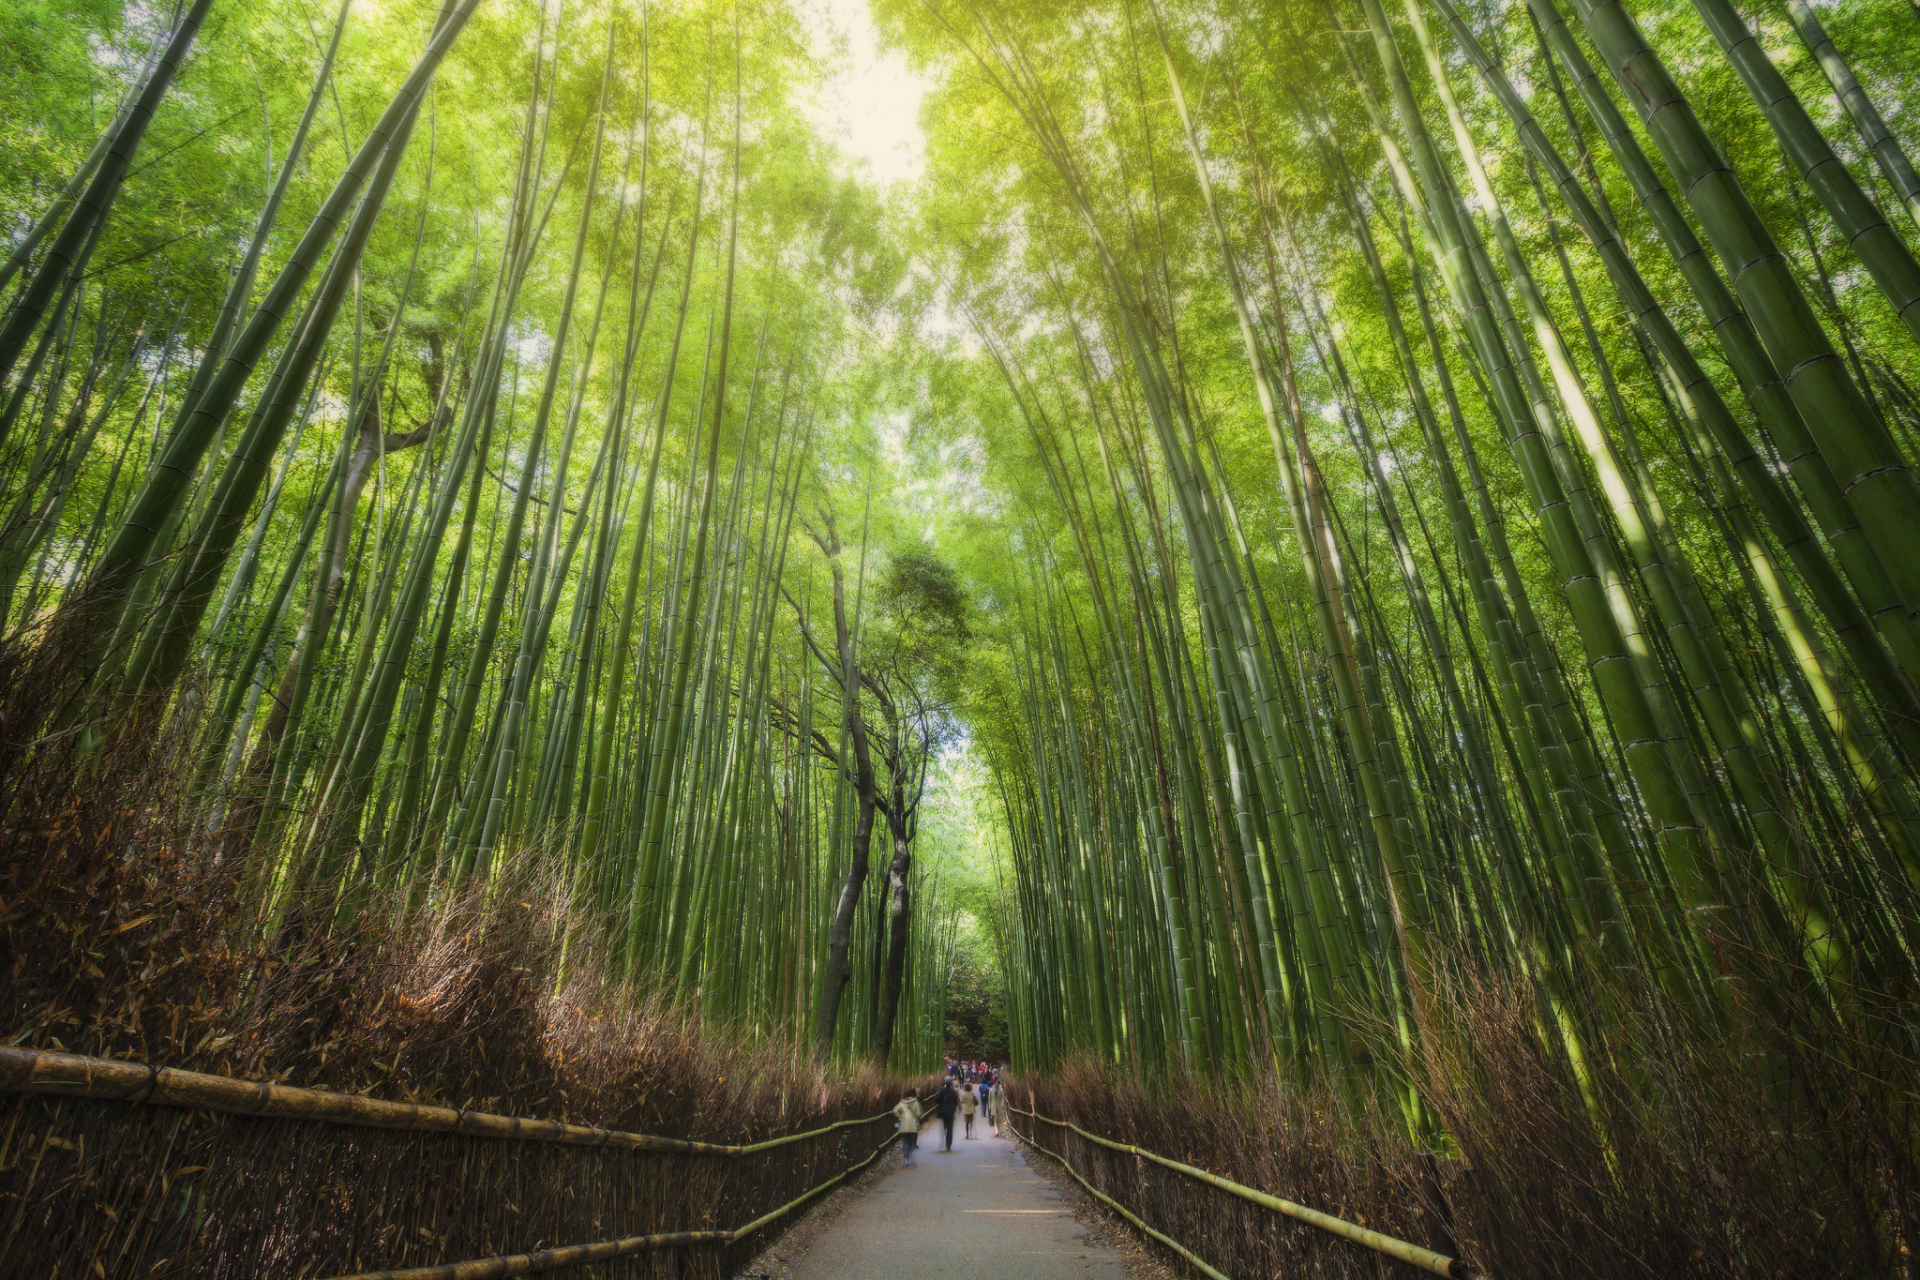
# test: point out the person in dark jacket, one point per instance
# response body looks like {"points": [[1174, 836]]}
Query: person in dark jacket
{"points": [[946, 1104]]}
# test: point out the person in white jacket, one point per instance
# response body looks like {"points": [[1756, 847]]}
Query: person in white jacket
{"points": [[907, 1112]]}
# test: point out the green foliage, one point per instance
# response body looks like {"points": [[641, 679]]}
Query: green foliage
{"points": [[976, 1028], [923, 612]]}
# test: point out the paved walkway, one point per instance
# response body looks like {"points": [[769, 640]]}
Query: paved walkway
{"points": [[978, 1214]]}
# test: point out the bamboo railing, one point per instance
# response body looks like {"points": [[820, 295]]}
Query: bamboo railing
{"points": [[111, 1080], [1411, 1254], [72, 1076]]}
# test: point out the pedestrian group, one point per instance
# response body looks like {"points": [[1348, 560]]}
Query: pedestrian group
{"points": [[969, 1090]]}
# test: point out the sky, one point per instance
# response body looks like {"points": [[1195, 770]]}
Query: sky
{"points": [[871, 105]]}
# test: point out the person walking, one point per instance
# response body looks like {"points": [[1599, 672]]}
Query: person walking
{"points": [[969, 1105], [946, 1104], [997, 1108], [907, 1112]]}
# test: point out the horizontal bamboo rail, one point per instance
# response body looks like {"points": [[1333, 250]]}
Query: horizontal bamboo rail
{"points": [[578, 1255], [107, 1079], [1411, 1254]]}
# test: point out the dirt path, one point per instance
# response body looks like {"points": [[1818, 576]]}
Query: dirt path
{"points": [[977, 1214]]}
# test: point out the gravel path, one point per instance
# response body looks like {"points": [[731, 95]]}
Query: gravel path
{"points": [[978, 1214]]}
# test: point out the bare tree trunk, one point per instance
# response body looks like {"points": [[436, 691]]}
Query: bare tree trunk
{"points": [[899, 913], [839, 938]]}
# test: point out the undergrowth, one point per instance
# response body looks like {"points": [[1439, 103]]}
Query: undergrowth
{"points": [[1667, 1153], [128, 930]]}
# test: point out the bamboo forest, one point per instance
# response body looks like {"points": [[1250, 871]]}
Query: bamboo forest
{"points": [[1328, 590]]}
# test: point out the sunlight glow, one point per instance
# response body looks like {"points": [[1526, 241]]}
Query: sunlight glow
{"points": [[870, 105]]}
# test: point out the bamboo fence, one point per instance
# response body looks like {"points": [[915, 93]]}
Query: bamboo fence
{"points": [[220, 1186], [1423, 1259]]}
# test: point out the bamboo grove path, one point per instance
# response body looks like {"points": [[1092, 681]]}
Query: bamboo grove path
{"points": [[981, 1212]]}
